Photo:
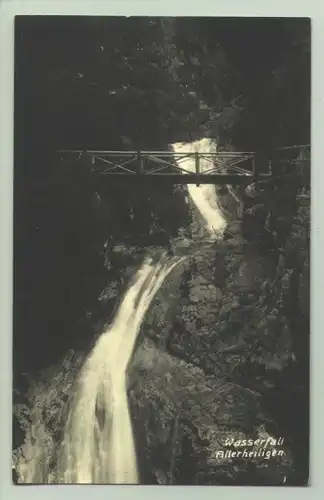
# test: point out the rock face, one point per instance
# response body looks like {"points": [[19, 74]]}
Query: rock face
{"points": [[198, 416], [233, 337]]}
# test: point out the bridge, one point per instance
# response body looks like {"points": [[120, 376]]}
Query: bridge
{"points": [[221, 168]]}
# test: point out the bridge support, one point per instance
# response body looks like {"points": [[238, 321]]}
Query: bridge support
{"points": [[140, 163], [197, 167]]}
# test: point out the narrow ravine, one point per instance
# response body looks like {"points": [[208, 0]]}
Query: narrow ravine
{"points": [[98, 444]]}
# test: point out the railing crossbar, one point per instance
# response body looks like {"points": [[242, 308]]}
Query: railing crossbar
{"points": [[166, 163], [114, 165], [218, 167]]}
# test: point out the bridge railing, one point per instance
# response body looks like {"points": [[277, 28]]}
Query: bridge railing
{"points": [[290, 156], [293, 160], [187, 167], [197, 167]]}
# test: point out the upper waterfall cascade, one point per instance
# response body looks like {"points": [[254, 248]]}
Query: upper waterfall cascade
{"points": [[204, 197]]}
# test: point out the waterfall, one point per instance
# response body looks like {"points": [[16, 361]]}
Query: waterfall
{"points": [[204, 197], [98, 444]]}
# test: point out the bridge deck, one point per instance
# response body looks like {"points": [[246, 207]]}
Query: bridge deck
{"points": [[221, 179]]}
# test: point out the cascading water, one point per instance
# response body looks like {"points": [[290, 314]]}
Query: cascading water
{"points": [[98, 444], [204, 197]]}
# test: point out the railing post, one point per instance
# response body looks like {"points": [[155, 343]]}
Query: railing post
{"points": [[197, 166], [140, 162]]}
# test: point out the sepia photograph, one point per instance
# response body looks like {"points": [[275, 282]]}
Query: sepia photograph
{"points": [[161, 312]]}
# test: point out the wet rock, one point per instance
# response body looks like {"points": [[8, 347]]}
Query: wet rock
{"points": [[253, 191], [258, 211], [202, 290]]}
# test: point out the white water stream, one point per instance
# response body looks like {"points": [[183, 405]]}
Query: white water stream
{"points": [[203, 196], [98, 444]]}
